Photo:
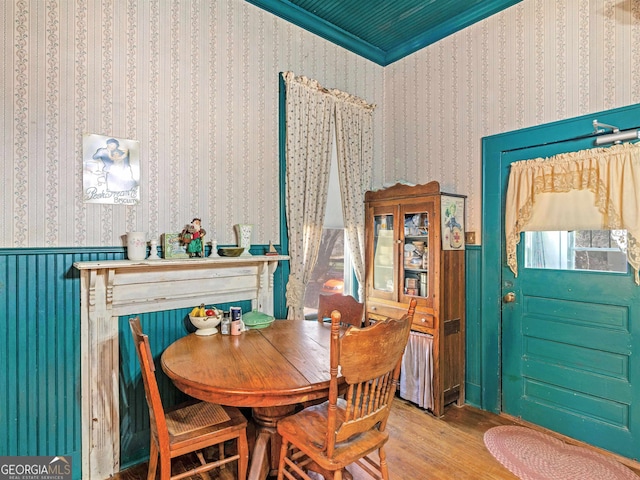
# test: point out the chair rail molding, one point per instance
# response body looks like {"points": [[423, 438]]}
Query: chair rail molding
{"points": [[114, 288]]}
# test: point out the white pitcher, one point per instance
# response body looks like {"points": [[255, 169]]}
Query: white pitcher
{"points": [[136, 245]]}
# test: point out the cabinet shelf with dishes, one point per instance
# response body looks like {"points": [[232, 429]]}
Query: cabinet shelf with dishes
{"points": [[423, 238], [412, 253]]}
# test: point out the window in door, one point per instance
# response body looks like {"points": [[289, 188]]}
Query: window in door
{"points": [[598, 250]]}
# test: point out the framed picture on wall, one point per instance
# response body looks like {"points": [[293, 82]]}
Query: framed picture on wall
{"points": [[111, 170], [452, 216], [172, 246]]}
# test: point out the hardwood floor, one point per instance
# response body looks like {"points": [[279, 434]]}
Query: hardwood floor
{"points": [[422, 447]]}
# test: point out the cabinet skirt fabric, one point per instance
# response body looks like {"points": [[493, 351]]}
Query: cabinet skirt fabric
{"points": [[417, 370]]}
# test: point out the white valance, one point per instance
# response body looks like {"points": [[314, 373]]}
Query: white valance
{"points": [[595, 189]]}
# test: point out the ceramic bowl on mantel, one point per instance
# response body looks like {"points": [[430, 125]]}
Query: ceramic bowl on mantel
{"points": [[230, 251]]}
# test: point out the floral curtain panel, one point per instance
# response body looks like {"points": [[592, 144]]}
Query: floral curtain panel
{"points": [[309, 116], [354, 139], [311, 112], [595, 189]]}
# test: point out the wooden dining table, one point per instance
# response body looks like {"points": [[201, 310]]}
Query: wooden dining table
{"points": [[272, 370]]}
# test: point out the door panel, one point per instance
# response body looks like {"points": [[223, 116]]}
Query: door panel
{"points": [[568, 344]]}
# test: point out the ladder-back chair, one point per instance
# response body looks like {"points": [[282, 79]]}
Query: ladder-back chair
{"points": [[191, 428], [326, 438], [351, 311]]}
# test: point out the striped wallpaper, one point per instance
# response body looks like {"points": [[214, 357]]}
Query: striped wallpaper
{"points": [[196, 83], [536, 62]]}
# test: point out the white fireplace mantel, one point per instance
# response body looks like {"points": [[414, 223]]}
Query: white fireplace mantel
{"points": [[110, 289]]}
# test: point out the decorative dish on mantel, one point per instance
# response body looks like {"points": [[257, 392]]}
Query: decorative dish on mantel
{"points": [[230, 251]]}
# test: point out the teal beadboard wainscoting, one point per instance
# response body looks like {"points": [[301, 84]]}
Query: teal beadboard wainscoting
{"points": [[473, 332], [40, 353]]}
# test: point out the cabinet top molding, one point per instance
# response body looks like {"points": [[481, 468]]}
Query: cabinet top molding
{"points": [[403, 190]]}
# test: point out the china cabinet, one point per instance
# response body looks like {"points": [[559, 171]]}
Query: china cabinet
{"points": [[415, 249]]}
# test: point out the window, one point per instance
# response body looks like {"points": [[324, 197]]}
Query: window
{"points": [[333, 272], [599, 250]]}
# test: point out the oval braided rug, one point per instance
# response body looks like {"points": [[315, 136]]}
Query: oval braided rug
{"points": [[532, 455]]}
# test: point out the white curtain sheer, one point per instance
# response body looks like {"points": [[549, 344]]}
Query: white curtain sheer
{"points": [[354, 139], [595, 189], [311, 113]]}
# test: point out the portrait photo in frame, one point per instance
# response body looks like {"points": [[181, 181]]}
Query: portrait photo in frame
{"points": [[111, 170]]}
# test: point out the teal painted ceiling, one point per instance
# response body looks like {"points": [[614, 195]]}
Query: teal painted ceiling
{"points": [[383, 31]]}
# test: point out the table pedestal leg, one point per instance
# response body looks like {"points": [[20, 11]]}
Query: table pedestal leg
{"points": [[266, 453]]}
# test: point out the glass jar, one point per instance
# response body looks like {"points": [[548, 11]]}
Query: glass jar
{"points": [[225, 325]]}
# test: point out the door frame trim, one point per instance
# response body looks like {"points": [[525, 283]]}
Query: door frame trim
{"points": [[493, 191]]}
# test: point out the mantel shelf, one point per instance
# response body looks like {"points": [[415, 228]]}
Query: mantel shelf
{"points": [[180, 262]]}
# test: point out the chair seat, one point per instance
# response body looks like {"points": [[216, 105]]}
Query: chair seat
{"points": [[201, 420], [195, 416], [309, 429]]}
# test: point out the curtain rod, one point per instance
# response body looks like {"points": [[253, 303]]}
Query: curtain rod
{"points": [[332, 92], [616, 136], [600, 138]]}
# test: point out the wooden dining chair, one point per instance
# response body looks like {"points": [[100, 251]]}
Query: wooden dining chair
{"points": [[351, 311], [326, 438], [190, 428]]}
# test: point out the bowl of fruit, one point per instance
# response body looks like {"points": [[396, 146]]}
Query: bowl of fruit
{"points": [[205, 319]]}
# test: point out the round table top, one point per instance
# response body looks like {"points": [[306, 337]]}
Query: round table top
{"points": [[283, 364]]}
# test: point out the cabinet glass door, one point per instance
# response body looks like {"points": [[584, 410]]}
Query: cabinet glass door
{"points": [[416, 221], [383, 253]]}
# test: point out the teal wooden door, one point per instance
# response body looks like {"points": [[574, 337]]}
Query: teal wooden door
{"points": [[569, 343]]}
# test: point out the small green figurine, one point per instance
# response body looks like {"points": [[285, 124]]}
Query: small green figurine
{"points": [[193, 237]]}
